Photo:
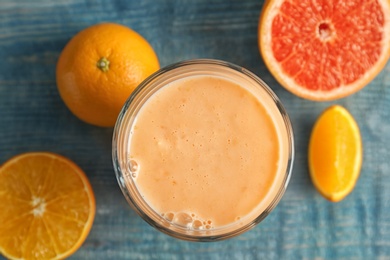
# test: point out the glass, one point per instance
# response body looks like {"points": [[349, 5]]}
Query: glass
{"points": [[121, 137]]}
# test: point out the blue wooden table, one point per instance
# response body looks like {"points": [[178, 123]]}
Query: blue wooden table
{"points": [[303, 226]]}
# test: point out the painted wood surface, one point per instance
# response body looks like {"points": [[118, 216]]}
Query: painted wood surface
{"points": [[303, 226]]}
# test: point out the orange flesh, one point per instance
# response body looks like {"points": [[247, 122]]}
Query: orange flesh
{"points": [[206, 149], [47, 207], [329, 43]]}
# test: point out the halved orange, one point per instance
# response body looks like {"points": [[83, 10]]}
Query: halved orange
{"points": [[335, 153], [47, 207], [325, 49]]}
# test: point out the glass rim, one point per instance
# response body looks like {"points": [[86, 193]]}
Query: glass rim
{"points": [[196, 235]]}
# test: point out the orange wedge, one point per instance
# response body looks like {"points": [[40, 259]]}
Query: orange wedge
{"points": [[47, 207], [335, 153]]}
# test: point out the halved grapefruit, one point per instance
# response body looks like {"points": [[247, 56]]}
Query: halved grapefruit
{"points": [[325, 49]]}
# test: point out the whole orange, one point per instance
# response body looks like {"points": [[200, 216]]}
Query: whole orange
{"points": [[99, 68]]}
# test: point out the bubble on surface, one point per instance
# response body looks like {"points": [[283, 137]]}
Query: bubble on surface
{"points": [[133, 167], [169, 216], [183, 219], [197, 225], [188, 220]]}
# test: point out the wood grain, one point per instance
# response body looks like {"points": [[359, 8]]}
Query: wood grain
{"points": [[303, 226]]}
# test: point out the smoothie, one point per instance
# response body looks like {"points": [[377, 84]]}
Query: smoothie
{"points": [[206, 152]]}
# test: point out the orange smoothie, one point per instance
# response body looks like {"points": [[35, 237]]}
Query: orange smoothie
{"points": [[205, 152]]}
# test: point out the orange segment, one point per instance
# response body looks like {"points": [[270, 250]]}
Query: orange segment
{"points": [[325, 49], [335, 153], [47, 204]]}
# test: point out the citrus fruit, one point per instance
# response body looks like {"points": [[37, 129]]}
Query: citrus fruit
{"points": [[325, 49], [47, 207], [99, 68], [335, 153]]}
